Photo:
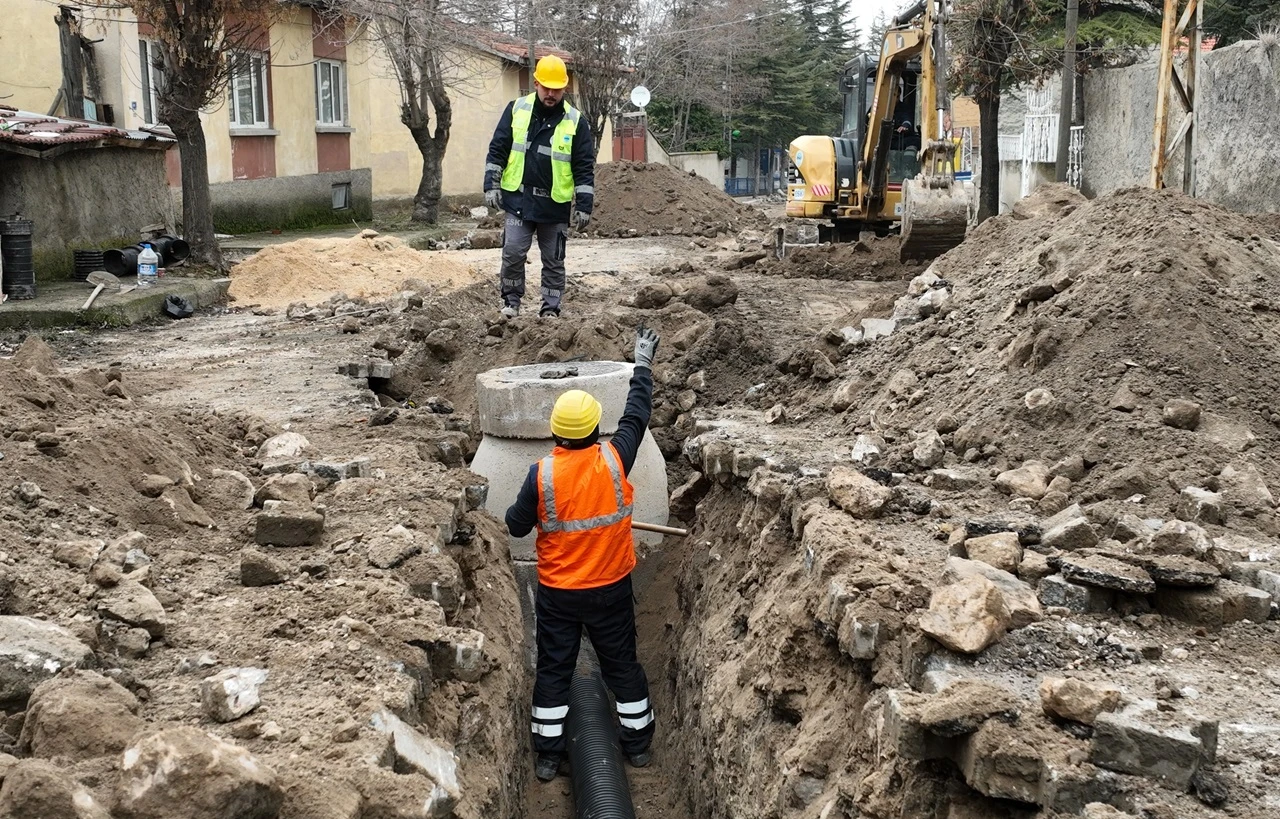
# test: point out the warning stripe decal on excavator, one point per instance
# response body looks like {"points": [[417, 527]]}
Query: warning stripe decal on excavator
{"points": [[820, 190]]}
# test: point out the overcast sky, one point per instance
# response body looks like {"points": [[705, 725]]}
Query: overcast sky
{"points": [[865, 10]]}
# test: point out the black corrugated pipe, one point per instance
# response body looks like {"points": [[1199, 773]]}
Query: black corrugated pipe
{"points": [[600, 789]]}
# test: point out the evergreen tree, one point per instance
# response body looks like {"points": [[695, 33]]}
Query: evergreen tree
{"points": [[1234, 20]]}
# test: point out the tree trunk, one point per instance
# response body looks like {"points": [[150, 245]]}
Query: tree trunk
{"points": [[989, 128], [426, 202], [197, 206]]}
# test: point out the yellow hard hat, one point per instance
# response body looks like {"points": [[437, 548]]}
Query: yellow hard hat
{"points": [[551, 73], [575, 415]]}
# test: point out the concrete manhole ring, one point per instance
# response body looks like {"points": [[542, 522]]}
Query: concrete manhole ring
{"points": [[516, 402]]}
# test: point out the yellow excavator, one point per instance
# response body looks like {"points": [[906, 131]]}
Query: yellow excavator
{"points": [[881, 171]]}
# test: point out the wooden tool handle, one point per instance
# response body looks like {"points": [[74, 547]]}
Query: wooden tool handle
{"points": [[662, 530], [96, 290]]}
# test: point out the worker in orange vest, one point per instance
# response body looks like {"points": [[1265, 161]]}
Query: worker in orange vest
{"points": [[580, 500]]}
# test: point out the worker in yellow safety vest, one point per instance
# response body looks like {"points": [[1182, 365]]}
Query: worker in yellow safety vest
{"points": [[579, 498], [541, 172]]}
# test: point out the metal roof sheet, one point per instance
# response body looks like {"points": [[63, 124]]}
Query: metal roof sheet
{"points": [[27, 131]]}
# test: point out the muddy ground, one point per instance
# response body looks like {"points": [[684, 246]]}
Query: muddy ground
{"points": [[827, 476]]}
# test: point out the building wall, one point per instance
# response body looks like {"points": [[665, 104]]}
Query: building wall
{"points": [[85, 199], [1239, 105], [481, 86]]}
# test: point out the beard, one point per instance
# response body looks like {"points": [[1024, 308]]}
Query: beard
{"points": [[542, 109]]}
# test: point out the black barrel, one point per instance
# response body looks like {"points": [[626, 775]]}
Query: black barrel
{"points": [[122, 262], [19, 277], [600, 788], [86, 261], [171, 249]]}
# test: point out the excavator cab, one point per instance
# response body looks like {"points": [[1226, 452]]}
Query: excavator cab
{"points": [[858, 82]]}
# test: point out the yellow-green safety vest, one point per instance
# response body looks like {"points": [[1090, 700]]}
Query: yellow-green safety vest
{"points": [[561, 149]]}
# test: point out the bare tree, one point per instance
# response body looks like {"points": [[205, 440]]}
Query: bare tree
{"points": [[426, 43], [601, 36], [198, 41]]}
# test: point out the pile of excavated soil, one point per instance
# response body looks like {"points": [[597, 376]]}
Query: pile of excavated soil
{"points": [[363, 266], [646, 199], [1115, 307], [127, 526], [873, 261]]}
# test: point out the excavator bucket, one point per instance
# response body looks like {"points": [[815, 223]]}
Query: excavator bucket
{"points": [[934, 219]]}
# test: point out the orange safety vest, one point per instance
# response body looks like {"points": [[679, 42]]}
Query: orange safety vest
{"points": [[584, 518]]}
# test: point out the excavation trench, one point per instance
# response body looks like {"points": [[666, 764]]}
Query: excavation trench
{"points": [[755, 705]]}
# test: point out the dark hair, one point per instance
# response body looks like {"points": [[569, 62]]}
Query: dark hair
{"points": [[579, 443]]}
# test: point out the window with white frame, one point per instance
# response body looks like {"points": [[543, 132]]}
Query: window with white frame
{"points": [[331, 92], [151, 77], [248, 88]]}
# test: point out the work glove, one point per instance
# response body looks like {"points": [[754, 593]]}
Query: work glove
{"points": [[581, 219], [646, 346], [493, 198]]}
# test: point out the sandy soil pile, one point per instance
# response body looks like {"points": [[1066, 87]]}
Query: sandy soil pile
{"points": [[366, 266], [647, 199]]}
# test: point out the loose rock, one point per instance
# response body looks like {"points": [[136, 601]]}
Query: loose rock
{"points": [[185, 773], [857, 494], [967, 616], [1077, 700], [229, 695]]}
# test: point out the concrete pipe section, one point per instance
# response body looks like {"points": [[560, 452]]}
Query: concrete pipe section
{"points": [[514, 405]]}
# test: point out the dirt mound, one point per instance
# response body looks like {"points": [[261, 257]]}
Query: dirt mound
{"points": [[1114, 308], [368, 266], [871, 261], [125, 523], [647, 199]]}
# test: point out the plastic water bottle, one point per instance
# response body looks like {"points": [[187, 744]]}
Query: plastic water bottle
{"points": [[148, 266]]}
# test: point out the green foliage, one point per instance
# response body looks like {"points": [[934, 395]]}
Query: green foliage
{"points": [[1234, 20], [706, 129]]}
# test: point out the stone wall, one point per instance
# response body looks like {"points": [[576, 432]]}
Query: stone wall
{"points": [[283, 202], [1239, 107], [84, 199]]}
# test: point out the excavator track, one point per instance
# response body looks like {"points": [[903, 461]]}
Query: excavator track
{"points": [[934, 220]]}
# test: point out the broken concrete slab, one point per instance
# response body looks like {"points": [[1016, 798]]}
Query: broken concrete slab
{"points": [[901, 729], [1057, 592], [283, 523], [1106, 573], [407, 749], [1131, 742], [1070, 535], [1226, 603], [1179, 570]]}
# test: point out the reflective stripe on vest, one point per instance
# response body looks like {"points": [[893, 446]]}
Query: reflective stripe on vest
{"points": [[561, 149], [584, 518]]}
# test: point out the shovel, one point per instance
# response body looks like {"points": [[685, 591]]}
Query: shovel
{"points": [[100, 279]]}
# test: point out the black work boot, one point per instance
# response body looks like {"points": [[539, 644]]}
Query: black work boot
{"points": [[641, 759], [547, 767]]}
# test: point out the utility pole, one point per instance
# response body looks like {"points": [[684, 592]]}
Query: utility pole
{"points": [[1068, 91]]}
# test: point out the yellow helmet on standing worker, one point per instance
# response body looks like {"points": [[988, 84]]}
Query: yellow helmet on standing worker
{"points": [[575, 415], [551, 72]]}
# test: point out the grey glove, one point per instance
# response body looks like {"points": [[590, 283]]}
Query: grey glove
{"points": [[493, 198], [581, 219], [646, 346]]}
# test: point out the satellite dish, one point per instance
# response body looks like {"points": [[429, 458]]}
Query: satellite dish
{"points": [[640, 96]]}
